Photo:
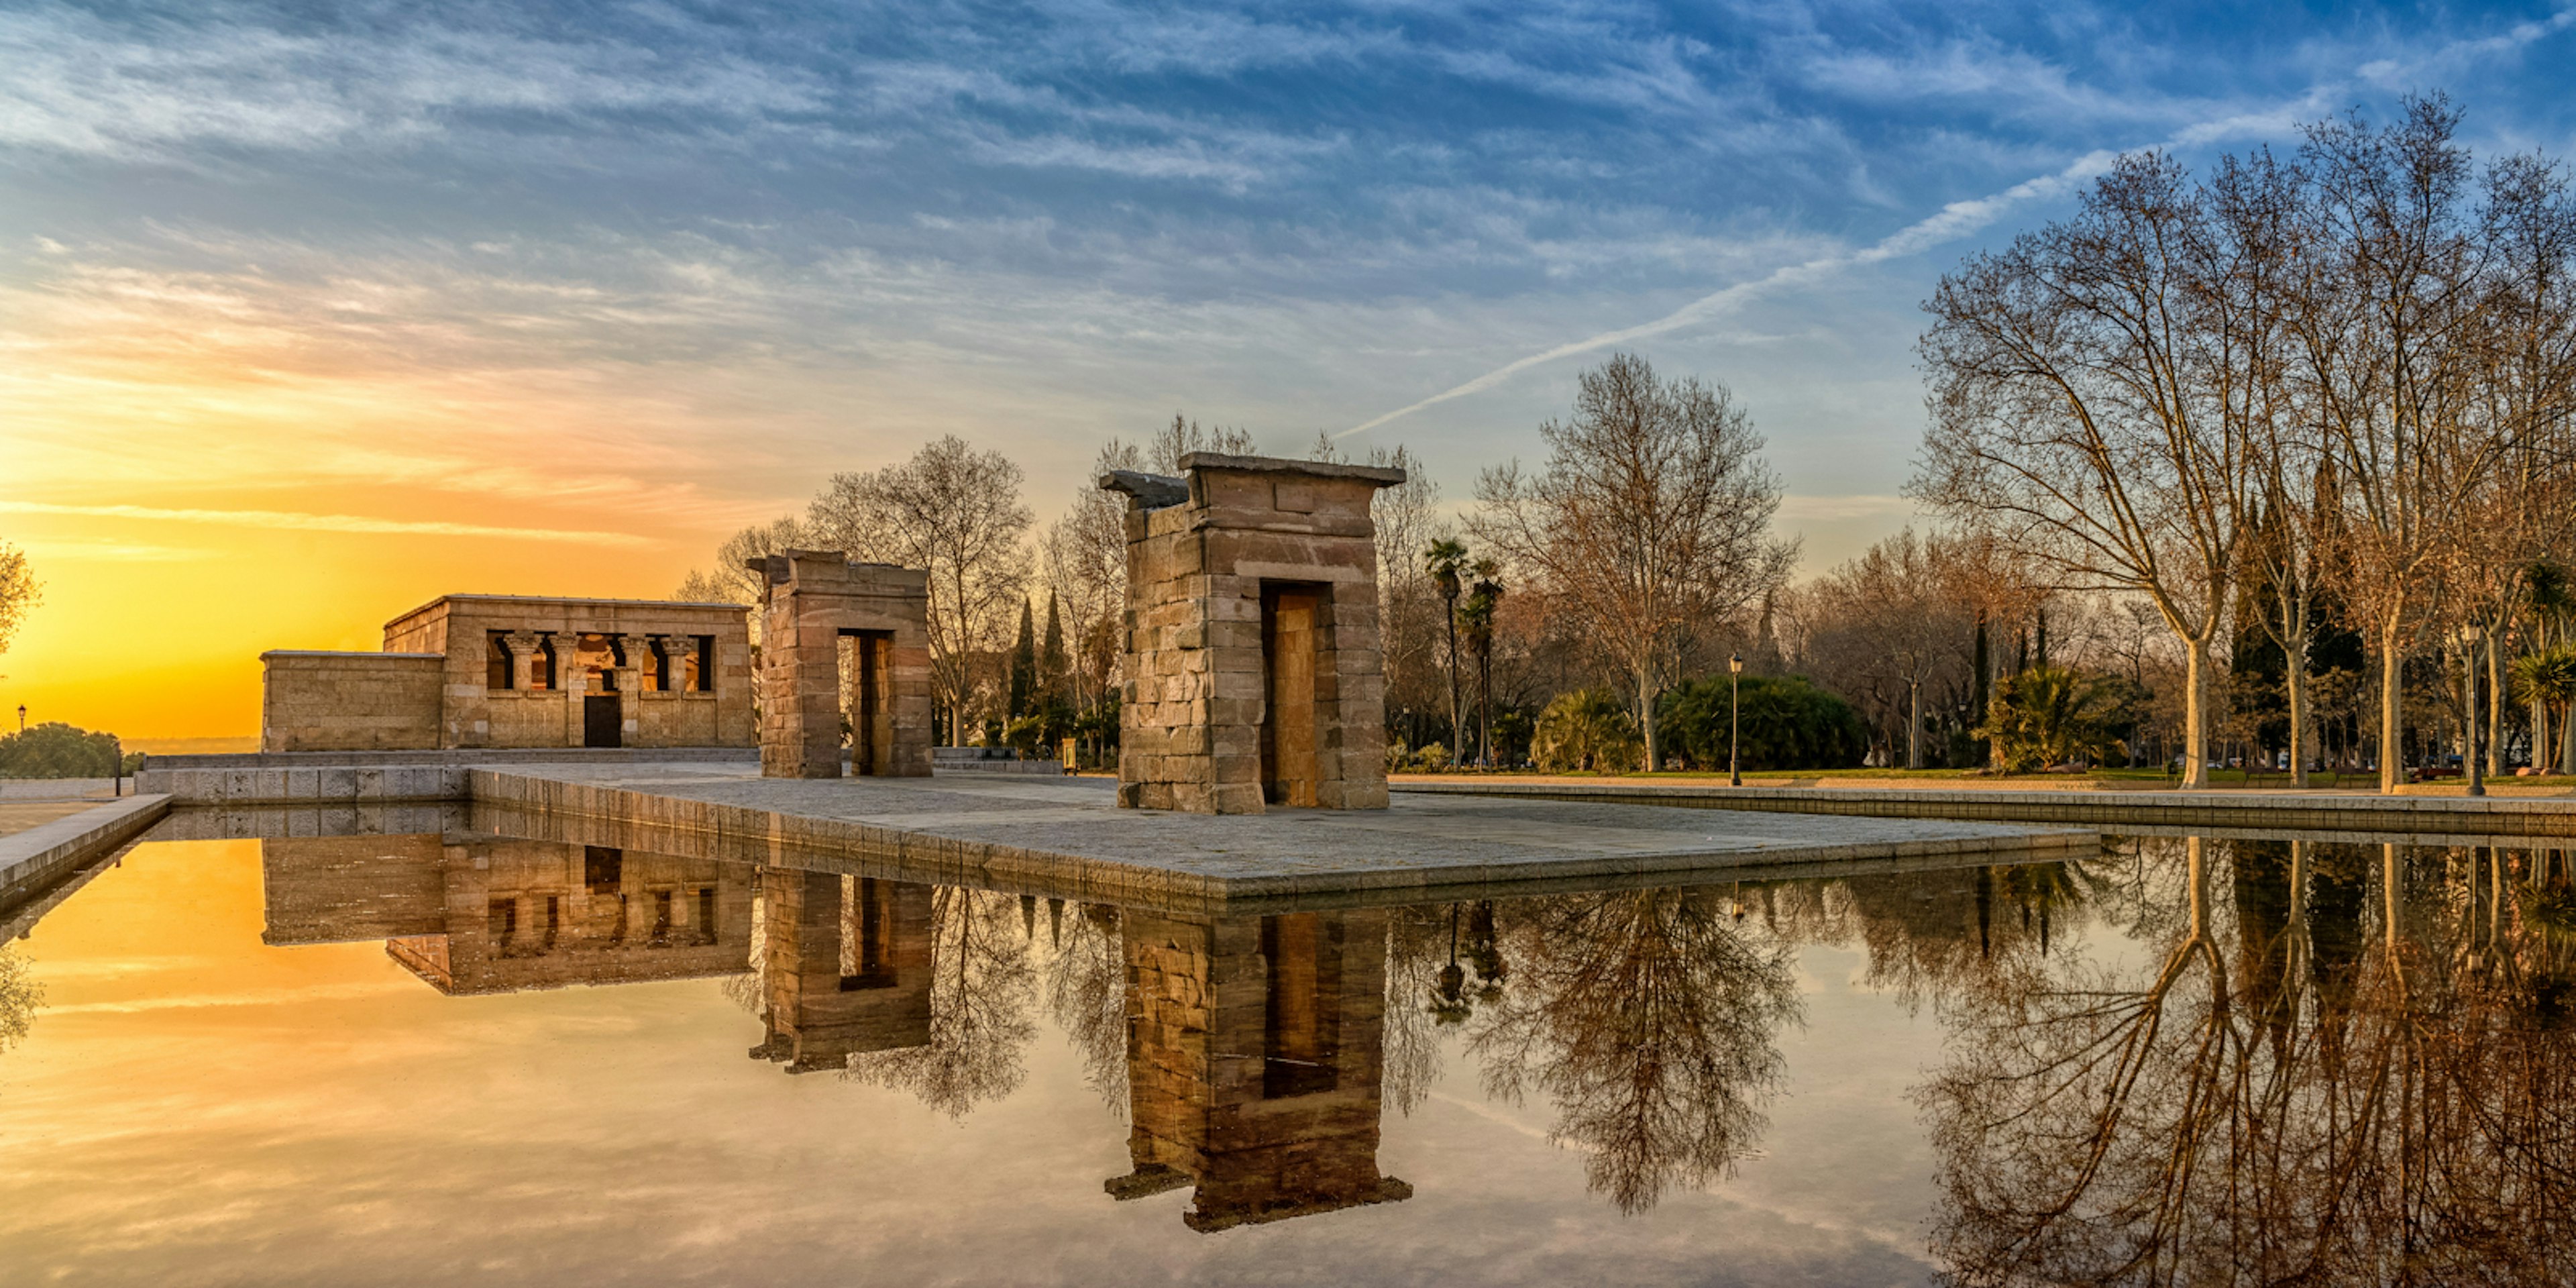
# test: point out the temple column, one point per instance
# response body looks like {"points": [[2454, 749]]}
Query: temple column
{"points": [[523, 646], [637, 650]]}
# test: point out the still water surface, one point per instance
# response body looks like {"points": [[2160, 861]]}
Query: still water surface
{"points": [[391, 1059]]}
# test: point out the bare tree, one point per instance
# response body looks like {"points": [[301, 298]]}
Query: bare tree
{"points": [[956, 512], [1892, 612], [1084, 561], [2387, 339], [2092, 407], [1651, 520], [19, 591], [732, 581], [1183, 436]]}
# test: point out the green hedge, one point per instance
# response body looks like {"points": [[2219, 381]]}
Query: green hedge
{"points": [[58, 750], [1788, 724]]}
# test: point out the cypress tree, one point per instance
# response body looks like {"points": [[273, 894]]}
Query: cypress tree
{"points": [[1052, 669], [1024, 664]]}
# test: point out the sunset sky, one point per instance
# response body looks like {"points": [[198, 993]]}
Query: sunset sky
{"points": [[305, 320]]}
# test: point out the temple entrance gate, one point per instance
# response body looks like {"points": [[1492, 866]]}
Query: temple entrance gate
{"points": [[1253, 669], [603, 720], [843, 640]]}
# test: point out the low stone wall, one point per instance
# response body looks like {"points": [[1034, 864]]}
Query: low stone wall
{"points": [[2389, 817], [339, 784], [351, 778], [349, 701]]}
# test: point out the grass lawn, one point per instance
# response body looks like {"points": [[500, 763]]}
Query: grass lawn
{"points": [[2218, 778]]}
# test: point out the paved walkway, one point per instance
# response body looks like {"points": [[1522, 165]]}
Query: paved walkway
{"points": [[1024, 830], [18, 816]]}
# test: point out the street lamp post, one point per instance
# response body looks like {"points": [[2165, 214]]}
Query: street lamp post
{"points": [[2469, 762], [22, 717], [1734, 719]]}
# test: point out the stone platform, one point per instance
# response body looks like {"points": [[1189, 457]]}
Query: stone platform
{"points": [[1066, 836]]}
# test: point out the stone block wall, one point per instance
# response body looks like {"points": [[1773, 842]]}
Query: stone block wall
{"points": [[826, 998], [349, 701], [476, 713], [343, 889], [817, 600], [537, 914], [1252, 637], [1207, 1000]]}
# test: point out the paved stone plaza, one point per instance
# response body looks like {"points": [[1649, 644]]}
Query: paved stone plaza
{"points": [[1068, 834]]}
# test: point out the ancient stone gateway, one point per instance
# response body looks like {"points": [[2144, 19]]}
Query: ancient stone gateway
{"points": [[841, 637], [1253, 671], [845, 967]]}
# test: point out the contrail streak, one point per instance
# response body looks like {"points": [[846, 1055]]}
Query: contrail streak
{"points": [[1960, 218]]}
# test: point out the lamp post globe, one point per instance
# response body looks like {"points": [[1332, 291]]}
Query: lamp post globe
{"points": [[1734, 719]]}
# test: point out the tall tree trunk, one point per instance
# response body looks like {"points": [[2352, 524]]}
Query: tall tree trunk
{"points": [[2392, 715], [2567, 739], [1485, 695], [1457, 731], [2294, 648], [2195, 712], [1980, 749], [1646, 712], [1914, 724], [2495, 703]]}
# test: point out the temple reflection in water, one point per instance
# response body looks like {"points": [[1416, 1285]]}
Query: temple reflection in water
{"points": [[476, 914], [1254, 1049], [2189, 1059], [845, 967], [1252, 1044]]}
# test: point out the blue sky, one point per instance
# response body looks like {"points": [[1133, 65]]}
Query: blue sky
{"points": [[651, 270]]}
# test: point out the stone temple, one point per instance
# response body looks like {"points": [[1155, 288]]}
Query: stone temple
{"points": [[521, 671], [1253, 668]]}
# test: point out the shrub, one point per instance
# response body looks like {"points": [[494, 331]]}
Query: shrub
{"points": [[1586, 729], [1789, 723], [57, 750]]}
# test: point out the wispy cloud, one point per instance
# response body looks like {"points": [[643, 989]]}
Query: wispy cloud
{"points": [[1959, 219], [294, 521], [81, 84]]}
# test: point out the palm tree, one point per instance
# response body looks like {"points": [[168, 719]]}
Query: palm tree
{"points": [[1476, 617], [2548, 679], [2048, 715], [1445, 560]]}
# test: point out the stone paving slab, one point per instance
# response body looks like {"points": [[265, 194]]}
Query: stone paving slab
{"points": [[1003, 830]]}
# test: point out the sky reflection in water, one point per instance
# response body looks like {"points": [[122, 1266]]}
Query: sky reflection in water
{"points": [[2188, 1060]]}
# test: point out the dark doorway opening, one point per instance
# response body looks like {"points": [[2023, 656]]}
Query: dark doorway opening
{"points": [[1290, 635], [867, 700], [602, 721], [1302, 1026]]}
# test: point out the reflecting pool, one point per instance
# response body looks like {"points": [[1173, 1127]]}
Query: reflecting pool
{"points": [[388, 1058]]}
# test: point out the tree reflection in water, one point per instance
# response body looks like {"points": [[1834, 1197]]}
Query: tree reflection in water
{"points": [[1086, 980], [20, 995], [983, 988], [1648, 1018], [2353, 1068]]}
